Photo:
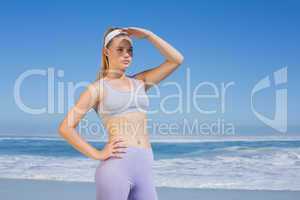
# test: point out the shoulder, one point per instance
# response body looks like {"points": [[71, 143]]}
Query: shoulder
{"points": [[96, 87], [97, 84]]}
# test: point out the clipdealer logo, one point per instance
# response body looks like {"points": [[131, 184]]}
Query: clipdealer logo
{"points": [[279, 122]]}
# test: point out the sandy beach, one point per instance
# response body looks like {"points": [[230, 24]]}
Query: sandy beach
{"points": [[17, 189]]}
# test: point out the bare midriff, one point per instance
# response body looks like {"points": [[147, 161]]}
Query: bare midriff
{"points": [[131, 127]]}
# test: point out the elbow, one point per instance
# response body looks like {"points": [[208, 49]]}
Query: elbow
{"points": [[62, 130], [179, 60], [65, 131]]}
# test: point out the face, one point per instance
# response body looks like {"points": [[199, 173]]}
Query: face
{"points": [[120, 52]]}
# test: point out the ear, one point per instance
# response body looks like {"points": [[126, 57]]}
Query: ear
{"points": [[105, 51]]}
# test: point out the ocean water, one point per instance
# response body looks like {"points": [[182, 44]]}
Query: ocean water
{"points": [[250, 164]]}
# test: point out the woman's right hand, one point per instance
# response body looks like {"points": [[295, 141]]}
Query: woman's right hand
{"points": [[137, 32], [113, 148]]}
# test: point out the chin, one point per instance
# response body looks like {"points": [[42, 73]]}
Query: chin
{"points": [[125, 65]]}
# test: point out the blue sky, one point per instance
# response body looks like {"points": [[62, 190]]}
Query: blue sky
{"points": [[222, 41]]}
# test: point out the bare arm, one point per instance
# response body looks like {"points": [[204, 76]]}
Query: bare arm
{"points": [[67, 128], [173, 59]]}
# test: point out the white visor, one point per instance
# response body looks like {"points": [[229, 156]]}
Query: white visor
{"points": [[113, 34]]}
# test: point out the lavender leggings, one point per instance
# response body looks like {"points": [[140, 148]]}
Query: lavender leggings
{"points": [[126, 178]]}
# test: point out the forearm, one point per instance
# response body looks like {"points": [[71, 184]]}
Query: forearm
{"points": [[170, 53], [72, 136]]}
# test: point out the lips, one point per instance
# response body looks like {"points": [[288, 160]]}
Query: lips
{"points": [[126, 61]]}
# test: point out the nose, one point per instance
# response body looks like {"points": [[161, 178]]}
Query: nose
{"points": [[127, 54]]}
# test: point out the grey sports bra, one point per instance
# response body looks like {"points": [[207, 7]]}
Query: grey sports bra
{"points": [[116, 102]]}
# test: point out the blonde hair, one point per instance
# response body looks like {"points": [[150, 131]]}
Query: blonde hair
{"points": [[104, 59]]}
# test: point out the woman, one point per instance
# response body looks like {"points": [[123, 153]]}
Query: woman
{"points": [[125, 169]]}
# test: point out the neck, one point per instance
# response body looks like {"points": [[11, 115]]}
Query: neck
{"points": [[115, 74]]}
